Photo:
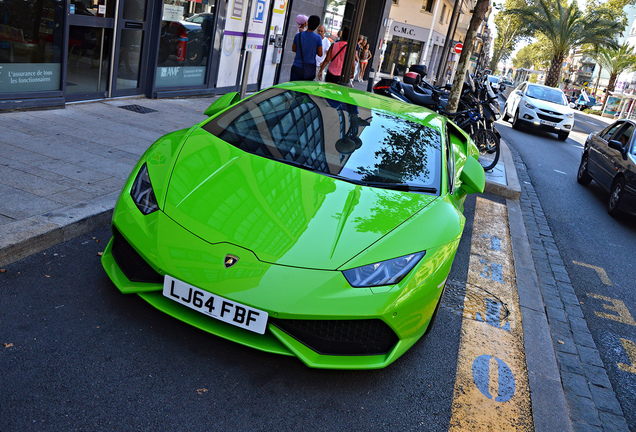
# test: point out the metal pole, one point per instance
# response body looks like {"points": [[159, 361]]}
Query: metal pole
{"points": [[350, 55], [370, 83], [246, 70], [112, 53]]}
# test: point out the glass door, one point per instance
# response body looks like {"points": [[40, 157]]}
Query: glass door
{"points": [[130, 66], [91, 26]]}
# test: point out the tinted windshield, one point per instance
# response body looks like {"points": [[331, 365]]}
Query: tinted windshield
{"points": [[547, 94], [493, 79], [356, 144]]}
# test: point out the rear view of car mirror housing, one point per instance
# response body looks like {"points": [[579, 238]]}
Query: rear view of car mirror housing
{"points": [[617, 145], [221, 103], [473, 177]]}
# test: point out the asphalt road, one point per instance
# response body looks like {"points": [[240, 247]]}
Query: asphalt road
{"points": [[79, 355], [598, 250]]}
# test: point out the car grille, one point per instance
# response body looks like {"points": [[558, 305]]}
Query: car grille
{"points": [[131, 263], [341, 337], [549, 118]]}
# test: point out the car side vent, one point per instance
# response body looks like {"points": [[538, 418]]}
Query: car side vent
{"points": [[341, 337], [131, 263]]}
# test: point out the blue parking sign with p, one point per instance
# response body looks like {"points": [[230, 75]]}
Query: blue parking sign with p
{"points": [[260, 11]]}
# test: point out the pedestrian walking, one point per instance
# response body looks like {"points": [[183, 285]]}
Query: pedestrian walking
{"points": [[326, 43], [307, 45], [335, 58]]}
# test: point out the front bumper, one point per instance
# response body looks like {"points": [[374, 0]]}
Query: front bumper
{"points": [[546, 120], [314, 314]]}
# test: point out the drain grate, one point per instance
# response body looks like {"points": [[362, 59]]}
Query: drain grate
{"points": [[471, 301], [138, 109]]}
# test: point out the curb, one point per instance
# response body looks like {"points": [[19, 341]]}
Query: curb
{"points": [[512, 190], [29, 236]]}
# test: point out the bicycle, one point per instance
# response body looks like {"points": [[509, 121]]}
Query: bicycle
{"points": [[487, 142]]}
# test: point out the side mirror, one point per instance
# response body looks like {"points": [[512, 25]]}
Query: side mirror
{"points": [[221, 103], [572, 105], [473, 177], [618, 146]]}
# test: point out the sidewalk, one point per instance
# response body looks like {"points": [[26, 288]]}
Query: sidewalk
{"points": [[61, 172]]}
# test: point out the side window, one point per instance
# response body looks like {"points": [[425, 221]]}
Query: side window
{"points": [[610, 130], [450, 162], [625, 135]]}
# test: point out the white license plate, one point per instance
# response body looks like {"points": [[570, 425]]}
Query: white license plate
{"points": [[215, 306], [547, 123]]}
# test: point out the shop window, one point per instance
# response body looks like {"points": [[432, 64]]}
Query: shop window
{"points": [[184, 45], [427, 6], [31, 35]]}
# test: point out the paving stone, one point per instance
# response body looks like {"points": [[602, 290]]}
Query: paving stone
{"points": [[560, 329], [555, 314], [590, 356], [573, 311], [613, 423], [583, 337], [583, 410], [596, 375], [605, 400], [584, 427], [576, 384], [564, 344], [569, 363]]}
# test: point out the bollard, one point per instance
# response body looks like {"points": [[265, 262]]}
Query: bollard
{"points": [[246, 72], [370, 80]]}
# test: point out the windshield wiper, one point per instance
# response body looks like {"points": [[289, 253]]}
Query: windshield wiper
{"points": [[395, 186]]}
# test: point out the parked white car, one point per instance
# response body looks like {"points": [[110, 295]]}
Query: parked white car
{"points": [[494, 82], [546, 108]]}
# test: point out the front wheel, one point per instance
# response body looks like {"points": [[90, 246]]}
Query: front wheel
{"points": [[488, 144], [583, 176], [616, 194], [516, 124], [563, 135], [505, 115]]}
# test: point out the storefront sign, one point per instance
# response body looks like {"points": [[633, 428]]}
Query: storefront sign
{"points": [[179, 76], [237, 10], [172, 12], [409, 31], [28, 77]]}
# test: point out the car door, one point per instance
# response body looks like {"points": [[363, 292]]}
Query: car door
{"points": [[514, 97], [612, 161], [598, 148]]}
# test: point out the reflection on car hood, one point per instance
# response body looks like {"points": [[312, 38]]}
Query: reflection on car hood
{"points": [[285, 215], [550, 106]]}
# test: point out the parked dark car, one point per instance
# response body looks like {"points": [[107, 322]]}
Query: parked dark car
{"points": [[609, 158]]}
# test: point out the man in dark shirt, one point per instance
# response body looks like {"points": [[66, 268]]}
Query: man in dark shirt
{"points": [[310, 44]]}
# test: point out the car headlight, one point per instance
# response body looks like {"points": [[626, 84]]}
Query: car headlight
{"points": [[142, 193], [569, 115], [528, 104], [383, 273]]}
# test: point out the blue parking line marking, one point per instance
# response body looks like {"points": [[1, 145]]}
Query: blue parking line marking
{"points": [[493, 314], [506, 379]]}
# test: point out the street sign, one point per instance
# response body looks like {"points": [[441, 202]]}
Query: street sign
{"points": [[458, 48]]}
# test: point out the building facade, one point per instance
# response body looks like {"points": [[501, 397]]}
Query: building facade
{"points": [[58, 51]]}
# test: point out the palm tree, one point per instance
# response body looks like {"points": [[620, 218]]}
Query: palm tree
{"points": [[616, 60], [565, 27]]}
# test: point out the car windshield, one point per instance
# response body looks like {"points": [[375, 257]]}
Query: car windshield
{"points": [[493, 79], [547, 94], [356, 144]]}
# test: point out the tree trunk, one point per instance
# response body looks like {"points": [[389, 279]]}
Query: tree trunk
{"points": [[552, 79], [610, 87], [462, 65]]}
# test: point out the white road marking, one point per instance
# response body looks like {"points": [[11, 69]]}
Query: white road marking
{"points": [[560, 172]]}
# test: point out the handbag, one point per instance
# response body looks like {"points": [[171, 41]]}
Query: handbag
{"points": [[309, 70], [337, 77]]}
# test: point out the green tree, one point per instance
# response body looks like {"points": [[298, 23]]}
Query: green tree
{"points": [[565, 27], [616, 60], [525, 58], [510, 30]]}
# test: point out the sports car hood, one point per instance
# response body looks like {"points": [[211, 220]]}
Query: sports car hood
{"points": [[284, 214]]}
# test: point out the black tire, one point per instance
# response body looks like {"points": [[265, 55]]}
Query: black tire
{"points": [[505, 116], [583, 176], [615, 197], [563, 135], [488, 144], [516, 124], [194, 53]]}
